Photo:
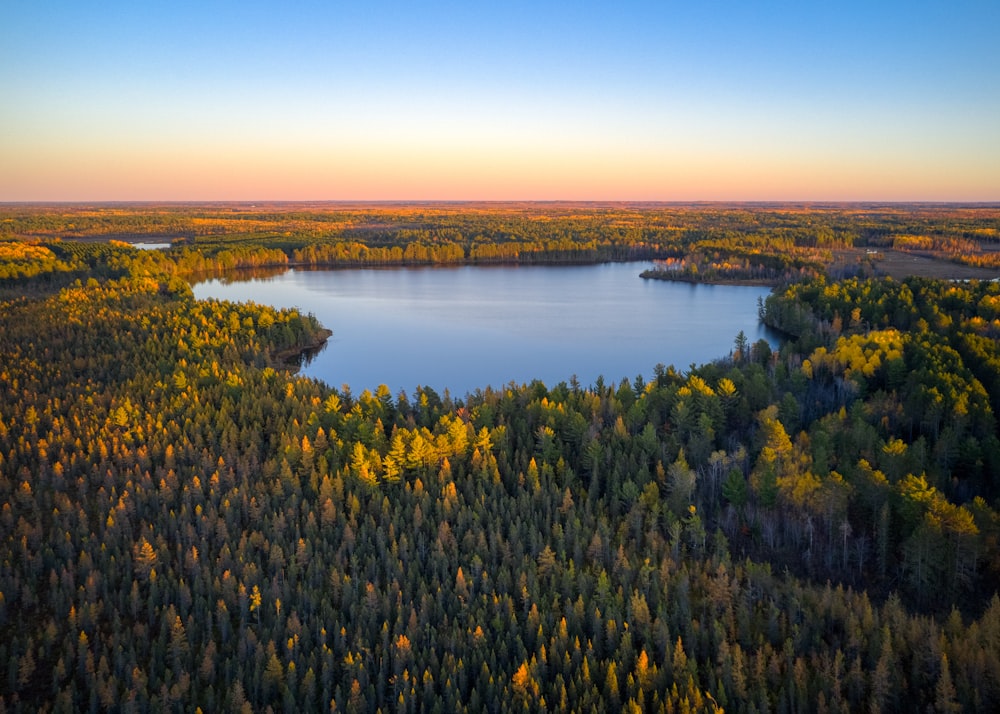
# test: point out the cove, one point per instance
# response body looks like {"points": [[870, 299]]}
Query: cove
{"points": [[462, 329]]}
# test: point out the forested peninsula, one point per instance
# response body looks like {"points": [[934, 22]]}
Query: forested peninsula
{"points": [[187, 524]]}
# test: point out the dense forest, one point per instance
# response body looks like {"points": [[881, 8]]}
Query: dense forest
{"points": [[762, 243], [188, 524]]}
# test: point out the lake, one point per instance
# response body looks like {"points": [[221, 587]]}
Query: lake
{"points": [[466, 328]]}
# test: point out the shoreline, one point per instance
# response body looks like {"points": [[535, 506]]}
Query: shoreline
{"points": [[746, 282], [289, 359]]}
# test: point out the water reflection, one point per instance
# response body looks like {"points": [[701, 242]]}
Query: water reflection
{"points": [[238, 275], [306, 357]]}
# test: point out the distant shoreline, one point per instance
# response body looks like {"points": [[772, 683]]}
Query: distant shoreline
{"points": [[669, 276], [240, 205]]}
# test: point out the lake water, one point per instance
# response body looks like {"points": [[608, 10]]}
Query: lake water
{"points": [[467, 328]]}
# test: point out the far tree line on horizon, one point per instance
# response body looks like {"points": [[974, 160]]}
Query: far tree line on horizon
{"points": [[766, 244]]}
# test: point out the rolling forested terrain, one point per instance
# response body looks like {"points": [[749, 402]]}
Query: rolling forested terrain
{"points": [[186, 523], [750, 242]]}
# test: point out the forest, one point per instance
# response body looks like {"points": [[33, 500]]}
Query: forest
{"points": [[762, 243], [187, 524]]}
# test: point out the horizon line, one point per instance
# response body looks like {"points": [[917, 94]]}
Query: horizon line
{"points": [[252, 203]]}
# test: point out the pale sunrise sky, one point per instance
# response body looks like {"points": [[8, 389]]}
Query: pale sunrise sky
{"points": [[670, 101]]}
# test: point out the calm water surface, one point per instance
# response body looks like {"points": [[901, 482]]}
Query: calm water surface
{"points": [[467, 328]]}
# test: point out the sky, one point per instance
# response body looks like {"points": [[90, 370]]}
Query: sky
{"points": [[643, 101]]}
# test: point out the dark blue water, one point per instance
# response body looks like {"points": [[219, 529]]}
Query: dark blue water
{"points": [[467, 328]]}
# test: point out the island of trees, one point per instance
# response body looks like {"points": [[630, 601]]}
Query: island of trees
{"points": [[186, 523]]}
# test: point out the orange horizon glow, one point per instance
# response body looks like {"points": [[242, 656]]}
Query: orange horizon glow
{"points": [[476, 173]]}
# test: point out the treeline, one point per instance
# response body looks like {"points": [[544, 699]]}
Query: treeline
{"points": [[352, 254], [818, 226], [772, 243], [738, 266], [185, 526]]}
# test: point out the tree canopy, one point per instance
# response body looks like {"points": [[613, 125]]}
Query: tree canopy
{"points": [[188, 523]]}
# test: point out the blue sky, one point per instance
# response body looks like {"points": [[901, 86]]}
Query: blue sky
{"points": [[382, 100]]}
